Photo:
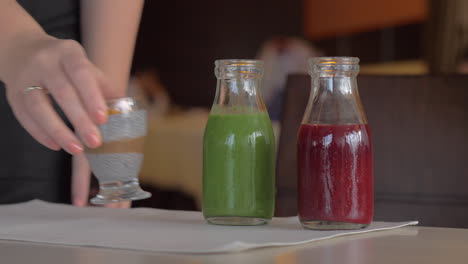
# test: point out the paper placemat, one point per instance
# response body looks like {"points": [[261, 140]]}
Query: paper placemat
{"points": [[152, 229]]}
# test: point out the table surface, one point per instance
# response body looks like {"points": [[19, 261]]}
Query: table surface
{"points": [[405, 245]]}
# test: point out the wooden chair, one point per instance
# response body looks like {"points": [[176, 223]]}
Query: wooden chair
{"points": [[420, 133]]}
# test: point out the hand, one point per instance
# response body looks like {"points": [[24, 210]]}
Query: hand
{"points": [[60, 66], [81, 175]]}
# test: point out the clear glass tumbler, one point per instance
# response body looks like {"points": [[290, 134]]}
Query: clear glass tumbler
{"points": [[117, 162]]}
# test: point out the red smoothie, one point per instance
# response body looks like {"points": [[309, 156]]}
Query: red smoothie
{"points": [[335, 181]]}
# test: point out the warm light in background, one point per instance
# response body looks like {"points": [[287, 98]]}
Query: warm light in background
{"points": [[328, 18]]}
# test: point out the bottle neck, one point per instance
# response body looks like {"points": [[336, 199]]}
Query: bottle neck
{"points": [[238, 95], [336, 85], [334, 99], [238, 87]]}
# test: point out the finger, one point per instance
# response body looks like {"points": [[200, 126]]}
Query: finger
{"points": [[112, 205], [125, 204], [70, 103], [40, 109], [30, 125], [36, 131], [118, 205], [83, 76], [104, 84], [81, 175]]}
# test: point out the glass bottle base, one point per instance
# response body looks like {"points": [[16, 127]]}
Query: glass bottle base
{"points": [[331, 225], [119, 191], [237, 220]]}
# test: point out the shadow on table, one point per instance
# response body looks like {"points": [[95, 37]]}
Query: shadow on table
{"points": [[166, 199]]}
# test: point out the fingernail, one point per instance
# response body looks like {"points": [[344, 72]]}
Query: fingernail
{"points": [[102, 116], [93, 140], [74, 148]]}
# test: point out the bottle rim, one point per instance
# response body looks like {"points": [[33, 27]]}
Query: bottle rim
{"points": [[333, 60], [125, 104], [237, 68], [238, 62], [332, 65]]}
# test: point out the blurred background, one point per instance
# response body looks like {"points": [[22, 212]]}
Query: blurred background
{"points": [[179, 41]]}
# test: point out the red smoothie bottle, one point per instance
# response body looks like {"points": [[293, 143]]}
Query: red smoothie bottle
{"points": [[334, 150]]}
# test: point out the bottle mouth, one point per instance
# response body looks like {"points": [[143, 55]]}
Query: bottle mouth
{"points": [[239, 63], [238, 69], [334, 64]]}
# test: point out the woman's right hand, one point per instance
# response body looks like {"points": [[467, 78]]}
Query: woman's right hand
{"points": [[62, 67]]}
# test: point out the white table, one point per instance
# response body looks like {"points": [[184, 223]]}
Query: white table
{"points": [[405, 245]]}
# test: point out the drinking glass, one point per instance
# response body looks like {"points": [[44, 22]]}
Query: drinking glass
{"points": [[117, 162]]}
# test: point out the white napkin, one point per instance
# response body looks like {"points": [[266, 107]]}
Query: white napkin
{"points": [[152, 229]]}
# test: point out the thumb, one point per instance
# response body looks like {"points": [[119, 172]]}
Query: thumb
{"points": [[81, 175]]}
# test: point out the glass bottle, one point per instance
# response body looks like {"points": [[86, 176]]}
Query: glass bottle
{"points": [[238, 149], [334, 150]]}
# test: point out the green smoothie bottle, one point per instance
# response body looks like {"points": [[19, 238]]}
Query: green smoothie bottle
{"points": [[238, 149]]}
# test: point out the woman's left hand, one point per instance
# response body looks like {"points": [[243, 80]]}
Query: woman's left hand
{"points": [[81, 178]]}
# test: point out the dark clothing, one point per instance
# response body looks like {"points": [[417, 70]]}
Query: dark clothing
{"points": [[27, 169]]}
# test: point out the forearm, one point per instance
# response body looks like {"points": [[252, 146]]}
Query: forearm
{"points": [[16, 27], [109, 29]]}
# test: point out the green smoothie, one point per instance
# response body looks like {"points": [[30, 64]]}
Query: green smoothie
{"points": [[239, 166]]}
